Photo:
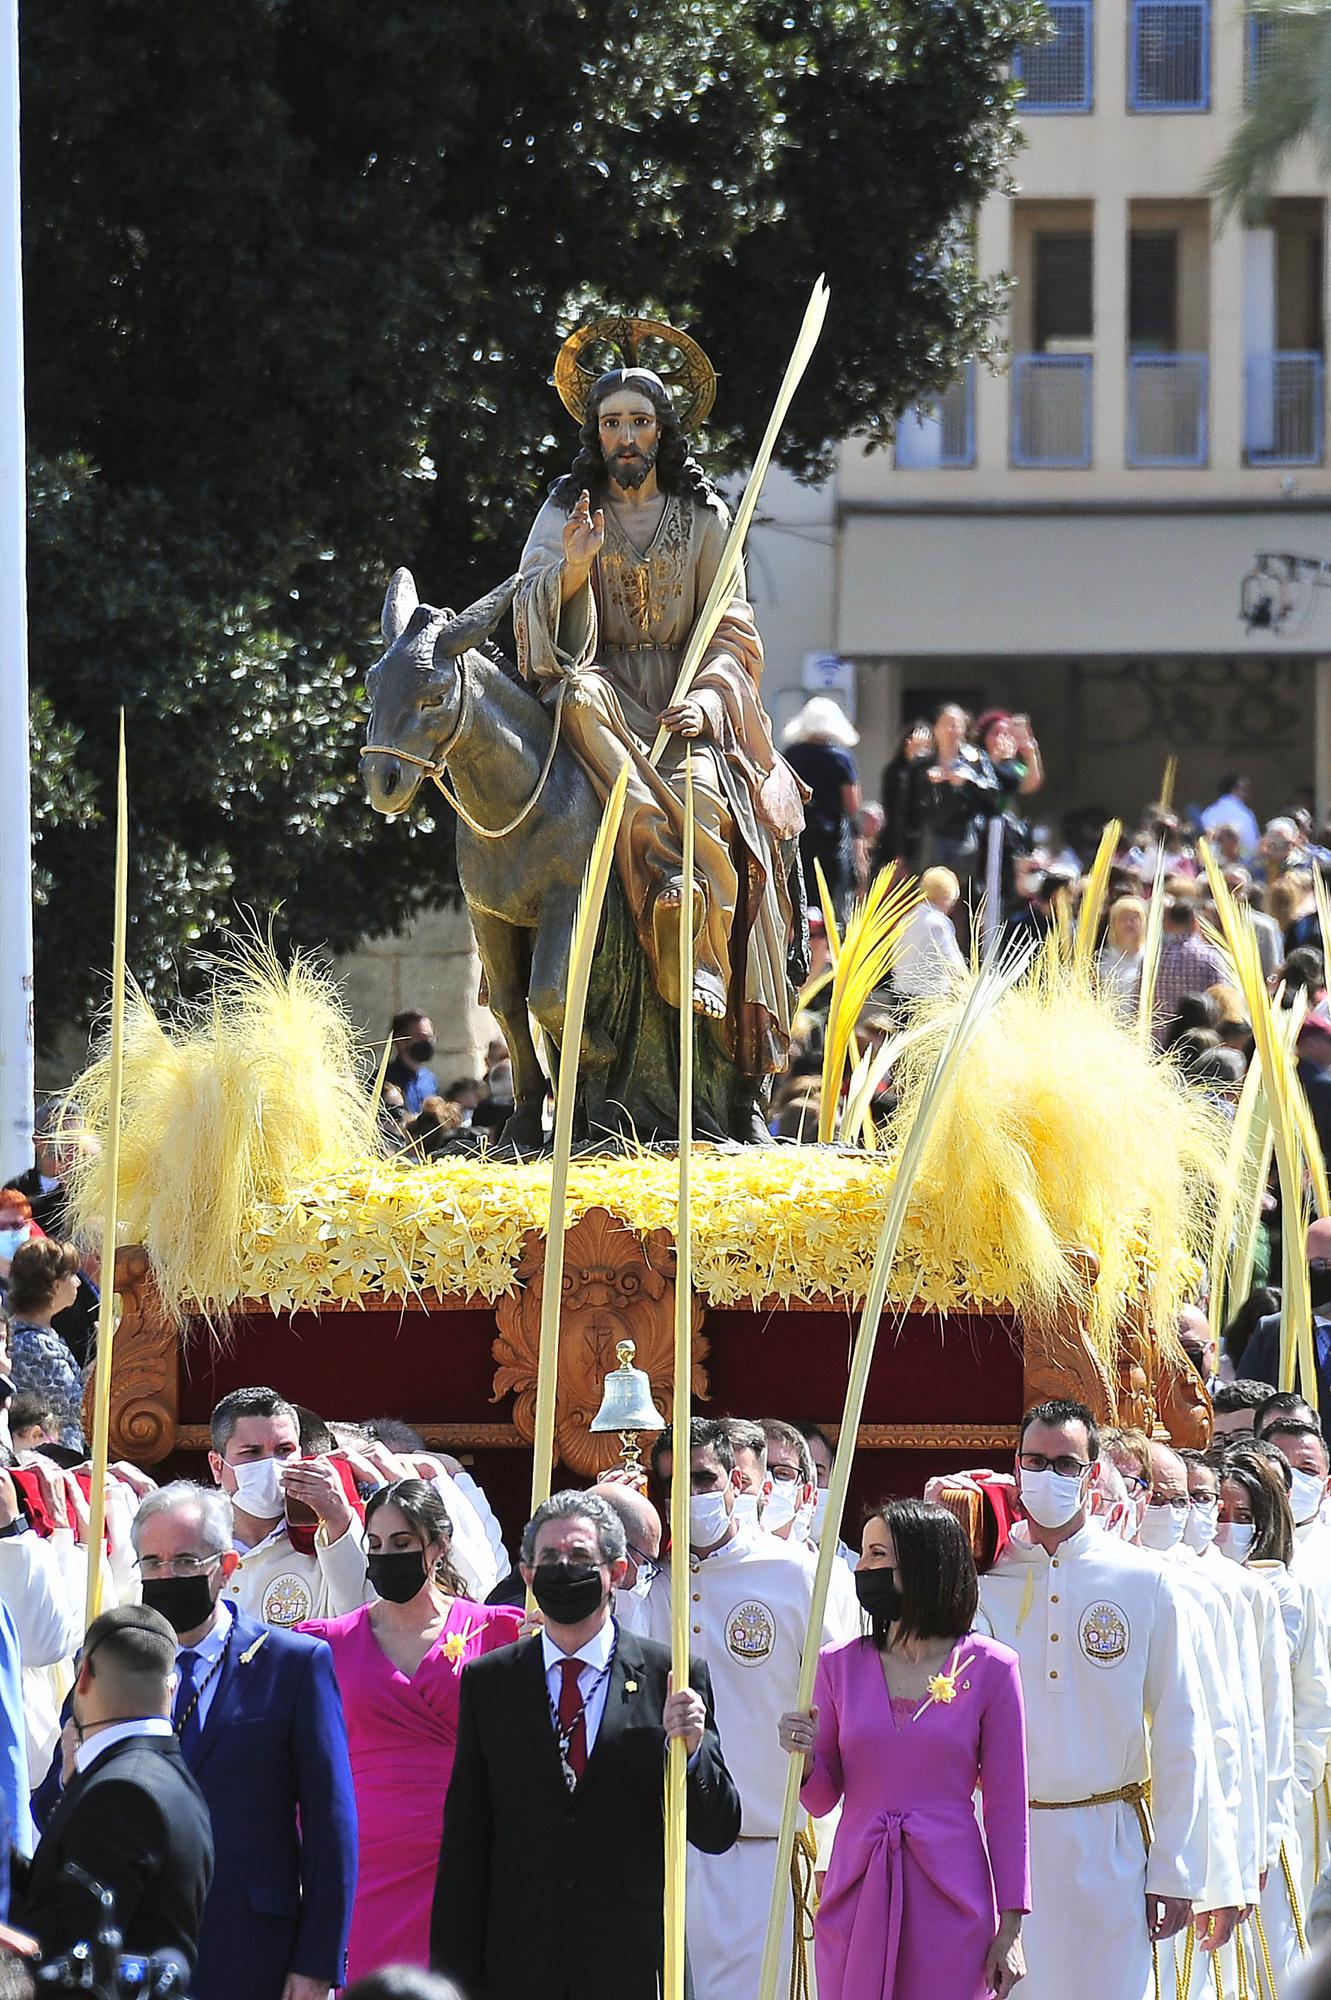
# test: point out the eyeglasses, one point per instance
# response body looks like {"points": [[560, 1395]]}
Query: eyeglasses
{"points": [[151, 1566], [648, 1566], [1067, 1467], [784, 1475], [1159, 1500]]}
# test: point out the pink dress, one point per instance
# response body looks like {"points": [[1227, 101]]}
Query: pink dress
{"points": [[401, 1733], [910, 1904]]}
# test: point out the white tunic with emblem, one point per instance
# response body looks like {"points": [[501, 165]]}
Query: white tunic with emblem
{"points": [[1112, 1698], [282, 1586], [750, 1610]]}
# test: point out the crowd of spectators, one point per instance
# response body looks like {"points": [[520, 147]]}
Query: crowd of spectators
{"points": [[955, 785]]}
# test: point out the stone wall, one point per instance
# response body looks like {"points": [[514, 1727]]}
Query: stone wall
{"points": [[433, 965]]}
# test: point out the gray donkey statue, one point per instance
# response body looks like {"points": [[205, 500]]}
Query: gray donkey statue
{"points": [[444, 704]]}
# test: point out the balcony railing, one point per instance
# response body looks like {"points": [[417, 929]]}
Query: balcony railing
{"points": [[940, 434], [1284, 409], [1170, 66], [1056, 75], [1051, 409], [1167, 409]]}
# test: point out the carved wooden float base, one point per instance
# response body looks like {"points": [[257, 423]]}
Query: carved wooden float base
{"points": [[943, 1393]]}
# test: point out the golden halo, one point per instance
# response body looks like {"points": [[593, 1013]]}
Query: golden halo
{"points": [[637, 343]]}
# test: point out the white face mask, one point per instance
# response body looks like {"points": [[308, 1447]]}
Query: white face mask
{"points": [[819, 1513], [780, 1509], [709, 1517], [1306, 1494], [11, 1238], [1200, 1527], [1234, 1539], [1050, 1498], [259, 1488], [1163, 1528], [746, 1509]]}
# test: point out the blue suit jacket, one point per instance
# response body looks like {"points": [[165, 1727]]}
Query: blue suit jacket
{"points": [[274, 1746], [1261, 1357]]}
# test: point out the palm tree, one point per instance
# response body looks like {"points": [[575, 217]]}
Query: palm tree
{"points": [[1289, 106]]}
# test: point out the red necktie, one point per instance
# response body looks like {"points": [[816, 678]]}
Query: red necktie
{"points": [[573, 1718]]}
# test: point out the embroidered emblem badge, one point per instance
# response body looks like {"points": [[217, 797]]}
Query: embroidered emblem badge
{"points": [[1105, 1634], [287, 1601], [750, 1633]]}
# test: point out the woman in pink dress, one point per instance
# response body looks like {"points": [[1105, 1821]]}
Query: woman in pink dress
{"points": [[906, 1723], [398, 1664]]}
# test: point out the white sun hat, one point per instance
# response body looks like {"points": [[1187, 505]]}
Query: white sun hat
{"points": [[821, 719]]}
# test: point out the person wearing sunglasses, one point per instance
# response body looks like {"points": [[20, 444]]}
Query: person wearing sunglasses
{"points": [[642, 1532]]}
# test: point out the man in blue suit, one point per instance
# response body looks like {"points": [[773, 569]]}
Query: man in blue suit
{"points": [[260, 1723]]}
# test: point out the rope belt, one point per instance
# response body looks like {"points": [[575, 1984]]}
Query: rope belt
{"points": [[1137, 1795], [803, 1860], [433, 767], [1295, 1909]]}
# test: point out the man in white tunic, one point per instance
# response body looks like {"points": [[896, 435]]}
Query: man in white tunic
{"points": [[256, 1461], [1235, 1726], [1113, 1703], [1304, 1450], [749, 1600]]}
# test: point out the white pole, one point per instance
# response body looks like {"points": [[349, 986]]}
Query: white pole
{"points": [[16, 1067], [993, 882]]}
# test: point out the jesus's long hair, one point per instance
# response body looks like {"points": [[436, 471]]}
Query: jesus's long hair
{"points": [[676, 470]]}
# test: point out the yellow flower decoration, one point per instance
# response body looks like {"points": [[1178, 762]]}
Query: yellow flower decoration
{"points": [[943, 1687], [454, 1646]]}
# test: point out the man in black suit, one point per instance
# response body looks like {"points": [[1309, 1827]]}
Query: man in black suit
{"points": [[1261, 1357], [132, 1818], [554, 1811]]}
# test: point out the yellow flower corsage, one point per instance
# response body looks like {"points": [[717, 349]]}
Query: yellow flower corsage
{"points": [[943, 1687], [455, 1646]]}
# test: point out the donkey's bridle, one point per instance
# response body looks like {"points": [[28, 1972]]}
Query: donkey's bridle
{"points": [[433, 767]]}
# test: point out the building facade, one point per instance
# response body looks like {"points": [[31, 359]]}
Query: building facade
{"points": [[1069, 536]]}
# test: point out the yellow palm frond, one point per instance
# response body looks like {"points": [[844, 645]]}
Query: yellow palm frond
{"points": [[582, 948], [1093, 898], [868, 947], [1283, 1093], [1155, 926]]}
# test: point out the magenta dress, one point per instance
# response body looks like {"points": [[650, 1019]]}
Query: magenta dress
{"points": [[401, 1733], [911, 1901]]}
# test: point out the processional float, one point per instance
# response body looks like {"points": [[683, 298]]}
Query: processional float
{"points": [[1025, 1223]]}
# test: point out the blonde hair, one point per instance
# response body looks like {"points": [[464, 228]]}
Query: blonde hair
{"points": [[1229, 1003], [1124, 906], [939, 885], [1283, 899]]}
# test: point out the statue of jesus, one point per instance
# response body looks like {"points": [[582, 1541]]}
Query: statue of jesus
{"points": [[615, 572]]}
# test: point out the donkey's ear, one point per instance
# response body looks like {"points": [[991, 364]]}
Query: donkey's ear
{"points": [[478, 621], [399, 603]]}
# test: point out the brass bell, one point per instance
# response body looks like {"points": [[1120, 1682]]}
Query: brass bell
{"points": [[627, 1406]]}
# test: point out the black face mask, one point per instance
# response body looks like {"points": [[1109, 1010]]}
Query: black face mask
{"points": [[878, 1594], [568, 1592], [420, 1051], [399, 1576], [186, 1602], [1319, 1282]]}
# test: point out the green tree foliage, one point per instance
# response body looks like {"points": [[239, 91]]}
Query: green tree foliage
{"points": [[1289, 107], [296, 275]]}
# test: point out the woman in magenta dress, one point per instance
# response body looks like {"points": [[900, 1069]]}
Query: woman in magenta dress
{"points": [[906, 1724], [398, 1664]]}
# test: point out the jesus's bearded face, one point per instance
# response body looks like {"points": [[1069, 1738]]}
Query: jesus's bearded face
{"points": [[630, 434]]}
